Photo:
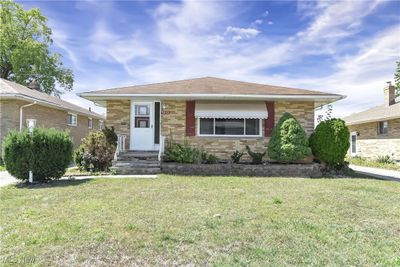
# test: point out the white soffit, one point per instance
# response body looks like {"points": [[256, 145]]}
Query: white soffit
{"points": [[250, 110]]}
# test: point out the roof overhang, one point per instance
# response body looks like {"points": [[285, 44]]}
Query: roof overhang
{"points": [[319, 100], [387, 118], [44, 103]]}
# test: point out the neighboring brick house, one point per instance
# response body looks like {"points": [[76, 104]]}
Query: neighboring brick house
{"points": [[217, 115], [19, 103], [376, 131]]}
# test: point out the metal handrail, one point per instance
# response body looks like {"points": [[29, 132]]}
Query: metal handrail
{"points": [[161, 150], [120, 145]]}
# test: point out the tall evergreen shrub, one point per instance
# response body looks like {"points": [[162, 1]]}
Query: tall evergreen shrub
{"points": [[47, 153], [330, 141], [288, 141]]}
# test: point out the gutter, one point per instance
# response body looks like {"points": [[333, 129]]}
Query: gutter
{"points": [[222, 96], [21, 113]]}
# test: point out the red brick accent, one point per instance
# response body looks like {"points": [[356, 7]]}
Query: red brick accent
{"points": [[190, 119], [270, 121]]}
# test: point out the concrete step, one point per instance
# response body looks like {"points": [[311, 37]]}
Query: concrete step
{"points": [[135, 170], [137, 164], [141, 156]]}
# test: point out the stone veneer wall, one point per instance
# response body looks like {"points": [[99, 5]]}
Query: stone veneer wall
{"points": [[45, 117], [267, 170], [173, 126], [372, 145], [118, 116]]}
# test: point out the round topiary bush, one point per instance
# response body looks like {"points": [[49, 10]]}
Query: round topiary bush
{"points": [[47, 153], [330, 141], [95, 152], [288, 141]]}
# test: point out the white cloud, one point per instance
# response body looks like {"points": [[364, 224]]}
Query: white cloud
{"points": [[193, 39], [266, 13], [257, 22], [241, 33]]}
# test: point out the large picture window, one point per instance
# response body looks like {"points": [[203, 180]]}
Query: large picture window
{"points": [[229, 127]]}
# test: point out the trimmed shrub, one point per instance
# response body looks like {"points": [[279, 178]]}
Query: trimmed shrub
{"points": [[236, 156], [47, 153], [95, 153], [330, 142], [256, 157], [111, 136], [288, 141], [184, 153]]}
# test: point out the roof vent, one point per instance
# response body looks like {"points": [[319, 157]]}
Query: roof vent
{"points": [[34, 85]]}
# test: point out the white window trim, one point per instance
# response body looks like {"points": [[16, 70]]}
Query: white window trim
{"points": [[76, 121], [226, 135], [90, 125]]}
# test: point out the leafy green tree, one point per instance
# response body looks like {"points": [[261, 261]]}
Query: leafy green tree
{"points": [[24, 50], [397, 78]]}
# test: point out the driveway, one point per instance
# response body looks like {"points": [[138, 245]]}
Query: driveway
{"points": [[377, 173], [6, 179]]}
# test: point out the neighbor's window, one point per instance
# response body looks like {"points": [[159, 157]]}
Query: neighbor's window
{"points": [[72, 119], [382, 127], [229, 127], [90, 123]]}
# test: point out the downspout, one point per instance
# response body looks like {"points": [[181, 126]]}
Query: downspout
{"points": [[21, 113]]}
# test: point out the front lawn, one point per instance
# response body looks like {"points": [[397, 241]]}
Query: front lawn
{"points": [[222, 221]]}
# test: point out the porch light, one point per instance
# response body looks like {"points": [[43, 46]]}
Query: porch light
{"points": [[164, 106]]}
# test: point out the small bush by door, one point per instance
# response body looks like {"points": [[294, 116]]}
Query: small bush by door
{"points": [[47, 153]]}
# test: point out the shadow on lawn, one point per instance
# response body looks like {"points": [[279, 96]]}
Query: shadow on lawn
{"points": [[53, 183]]}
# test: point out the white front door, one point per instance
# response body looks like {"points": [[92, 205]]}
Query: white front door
{"points": [[142, 126], [353, 144]]}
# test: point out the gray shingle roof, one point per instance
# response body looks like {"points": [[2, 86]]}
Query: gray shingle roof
{"points": [[208, 85], [379, 113], [10, 89]]}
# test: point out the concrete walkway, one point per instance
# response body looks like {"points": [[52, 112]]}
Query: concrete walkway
{"points": [[7, 179], [377, 173]]}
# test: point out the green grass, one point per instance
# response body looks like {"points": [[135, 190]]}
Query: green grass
{"points": [[74, 171], [2, 168], [373, 163], [217, 221]]}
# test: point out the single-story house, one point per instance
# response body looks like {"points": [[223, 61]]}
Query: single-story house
{"points": [[19, 103], [376, 131], [217, 115]]}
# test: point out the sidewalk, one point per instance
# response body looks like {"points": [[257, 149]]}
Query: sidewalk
{"points": [[377, 173]]}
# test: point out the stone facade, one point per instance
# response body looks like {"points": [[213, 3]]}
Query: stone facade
{"points": [[45, 117], [118, 116], [173, 125], [265, 170], [371, 145]]}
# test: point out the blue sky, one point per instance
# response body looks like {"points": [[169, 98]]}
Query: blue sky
{"points": [[346, 47]]}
